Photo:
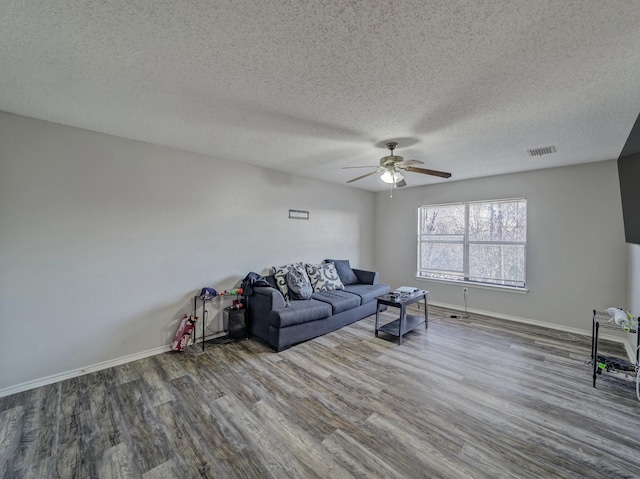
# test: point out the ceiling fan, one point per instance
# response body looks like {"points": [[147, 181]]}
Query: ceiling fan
{"points": [[390, 166]]}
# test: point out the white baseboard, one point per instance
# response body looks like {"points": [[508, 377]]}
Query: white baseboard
{"points": [[559, 327], [81, 371]]}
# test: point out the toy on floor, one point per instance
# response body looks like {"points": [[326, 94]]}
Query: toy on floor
{"points": [[183, 335], [622, 318]]}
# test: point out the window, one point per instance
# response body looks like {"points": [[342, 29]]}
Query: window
{"points": [[483, 242]]}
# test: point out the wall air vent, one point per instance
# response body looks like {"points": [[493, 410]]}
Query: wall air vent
{"points": [[542, 151]]}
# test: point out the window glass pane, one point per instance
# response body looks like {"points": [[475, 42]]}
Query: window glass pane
{"points": [[441, 220], [499, 221], [441, 257], [481, 241], [498, 264]]}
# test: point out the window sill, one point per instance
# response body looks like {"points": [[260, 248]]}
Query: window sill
{"points": [[473, 284]]}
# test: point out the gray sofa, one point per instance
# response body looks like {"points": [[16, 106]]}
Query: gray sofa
{"points": [[282, 323]]}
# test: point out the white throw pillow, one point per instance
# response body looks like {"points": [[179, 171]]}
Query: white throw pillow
{"points": [[323, 277]]}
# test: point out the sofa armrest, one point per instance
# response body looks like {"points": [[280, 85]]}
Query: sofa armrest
{"points": [[367, 277], [261, 303], [272, 295]]}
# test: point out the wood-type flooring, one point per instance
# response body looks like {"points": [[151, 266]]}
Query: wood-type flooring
{"points": [[472, 397]]}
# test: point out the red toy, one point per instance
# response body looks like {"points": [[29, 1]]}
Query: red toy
{"points": [[183, 334]]}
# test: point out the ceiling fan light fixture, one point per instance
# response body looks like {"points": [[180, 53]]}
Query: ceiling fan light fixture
{"points": [[391, 177]]}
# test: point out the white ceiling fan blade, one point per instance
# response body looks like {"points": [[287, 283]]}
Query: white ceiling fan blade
{"points": [[364, 176], [409, 163], [351, 167]]}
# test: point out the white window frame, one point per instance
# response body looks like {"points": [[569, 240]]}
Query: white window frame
{"points": [[423, 274]]}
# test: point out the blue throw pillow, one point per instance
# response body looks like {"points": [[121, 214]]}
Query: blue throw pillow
{"points": [[347, 276]]}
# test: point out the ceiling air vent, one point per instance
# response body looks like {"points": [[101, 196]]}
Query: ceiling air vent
{"points": [[542, 151]]}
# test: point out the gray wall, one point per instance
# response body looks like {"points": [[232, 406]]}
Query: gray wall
{"points": [[576, 252], [104, 241]]}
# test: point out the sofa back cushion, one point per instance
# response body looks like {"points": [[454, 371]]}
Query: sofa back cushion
{"points": [[324, 277], [347, 276], [271, 279]]}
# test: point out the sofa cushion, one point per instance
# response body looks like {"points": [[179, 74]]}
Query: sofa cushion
{"points": [[280, 275], [339, 300], [298, 312], [367, 292], [323, 277], [347, 276]]}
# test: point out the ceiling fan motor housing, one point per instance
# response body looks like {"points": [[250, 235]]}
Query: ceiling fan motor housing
{"points": [[391, 160]]}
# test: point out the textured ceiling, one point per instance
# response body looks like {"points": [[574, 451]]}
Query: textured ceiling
{"points": [[309, 87]]}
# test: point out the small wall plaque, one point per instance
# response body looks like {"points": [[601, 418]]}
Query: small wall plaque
{"points": [[298, 215]]}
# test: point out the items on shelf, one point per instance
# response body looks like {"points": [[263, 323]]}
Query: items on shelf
{"points": [[622, 318], [406, 290], [236, 305], [232, 292], [208, 293]]}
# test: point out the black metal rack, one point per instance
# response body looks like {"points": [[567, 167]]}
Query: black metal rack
{"points": [[210, 299], [601, 320]]}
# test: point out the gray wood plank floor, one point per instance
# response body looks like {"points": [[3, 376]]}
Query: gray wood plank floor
{"points": [[473, 397]]}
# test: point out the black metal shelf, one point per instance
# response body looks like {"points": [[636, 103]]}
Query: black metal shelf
{"points": [[411, 322], [211, 337], [602, 320]]}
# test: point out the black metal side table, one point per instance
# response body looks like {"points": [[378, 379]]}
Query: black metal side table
{"points": [[405, 322], [218, 302]]}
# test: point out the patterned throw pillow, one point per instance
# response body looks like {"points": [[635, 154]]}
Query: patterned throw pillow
{"points": [[324, 277], [280, 275], [298, 284]]}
